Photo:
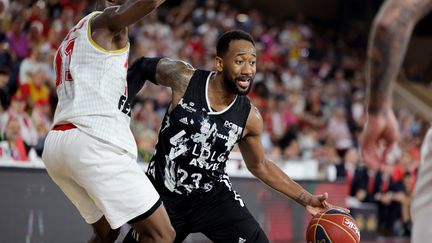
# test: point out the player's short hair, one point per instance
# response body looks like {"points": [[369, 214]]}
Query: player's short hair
{"points": [[224, 41]]}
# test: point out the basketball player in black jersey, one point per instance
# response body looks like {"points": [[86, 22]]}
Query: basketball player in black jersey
{"points": [[209, 114]]}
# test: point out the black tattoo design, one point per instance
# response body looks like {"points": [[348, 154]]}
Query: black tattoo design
{"points": [[304, 199], [388, 43]]}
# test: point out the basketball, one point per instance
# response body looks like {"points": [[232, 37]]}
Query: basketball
{"points": [[333, 226]]}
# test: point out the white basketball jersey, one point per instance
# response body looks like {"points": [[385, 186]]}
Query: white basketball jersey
{"points": [[92, 88]]}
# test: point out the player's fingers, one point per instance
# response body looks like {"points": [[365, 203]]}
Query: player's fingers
{"points": [[346, 210], [312, 210], [387, 150], [370, 156], [369, 148], [323, 197]]}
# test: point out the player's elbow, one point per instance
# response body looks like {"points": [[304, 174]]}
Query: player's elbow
{"points": [[389, 25], [119, 17], [384, 26], [258, 168]]}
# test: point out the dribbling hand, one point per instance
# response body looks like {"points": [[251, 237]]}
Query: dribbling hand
{"points": [[318, 204]]}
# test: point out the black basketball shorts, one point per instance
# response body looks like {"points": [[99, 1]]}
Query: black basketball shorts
{"points": [[219, 214]]}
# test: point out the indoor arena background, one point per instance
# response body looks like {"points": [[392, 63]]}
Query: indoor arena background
{"points": [[309, 88]]}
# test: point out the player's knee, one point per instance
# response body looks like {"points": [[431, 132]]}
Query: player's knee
{"points": [[171, 234], [106, 236], [165, 234]]}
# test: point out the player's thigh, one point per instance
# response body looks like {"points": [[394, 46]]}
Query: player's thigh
{"points": [[153, 224], [180, 226], [79, 198], [55, 163], [113, 179]]}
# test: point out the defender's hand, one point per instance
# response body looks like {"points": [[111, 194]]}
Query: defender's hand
{"points": [[380, 134]]}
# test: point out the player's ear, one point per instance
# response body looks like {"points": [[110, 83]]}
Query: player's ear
{"points": [[219, 64]]}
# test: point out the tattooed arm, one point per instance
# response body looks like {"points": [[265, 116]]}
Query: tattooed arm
{"points": [[389, 38], [164, 71]]}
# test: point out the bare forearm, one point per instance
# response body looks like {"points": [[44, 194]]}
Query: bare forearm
{"points": [[269, 173], [119, 17], [389, 38]]}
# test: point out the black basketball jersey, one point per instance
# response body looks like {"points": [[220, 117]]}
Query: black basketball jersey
{"points": [[195, 141]]}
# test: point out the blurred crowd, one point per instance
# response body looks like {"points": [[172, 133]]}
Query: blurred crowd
{"points": [[309, 88]]}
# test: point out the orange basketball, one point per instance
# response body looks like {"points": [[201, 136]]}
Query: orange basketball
{"points": [[333, 226]]}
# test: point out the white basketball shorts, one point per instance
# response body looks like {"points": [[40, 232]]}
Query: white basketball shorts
{"points": [[421, 209], [99, 178]]}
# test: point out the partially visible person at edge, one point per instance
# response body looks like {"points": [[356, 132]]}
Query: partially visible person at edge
{"points": [[388, 41], [90, 153], [209, 114]]}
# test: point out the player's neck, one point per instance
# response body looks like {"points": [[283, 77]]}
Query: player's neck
{"points": [[219, 95]]}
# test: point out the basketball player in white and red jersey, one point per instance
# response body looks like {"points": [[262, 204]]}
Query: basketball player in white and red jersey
{"points": [[91, 153], [388, 41]]}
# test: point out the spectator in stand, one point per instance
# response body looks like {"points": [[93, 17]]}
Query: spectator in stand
{"points": [[356, 176], [390, 193], [4, 91], [35, 35], [36, 89], [314, 112], [406, 202], [292, 81], [41, 116], [145, 116], [17, 38], [17, 110], [5, 18], [12, 146], [339, 131], [38, 59]]}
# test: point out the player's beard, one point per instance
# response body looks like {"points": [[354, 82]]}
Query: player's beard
{"points": [[231, 84]]}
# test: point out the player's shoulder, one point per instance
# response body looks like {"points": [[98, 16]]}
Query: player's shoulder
{"points": [[175, 65], [174, 71], [254, 124], [90, 16]]}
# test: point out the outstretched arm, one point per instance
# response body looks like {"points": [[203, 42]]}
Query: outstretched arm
{"points": [[118, 17], [269, 173], [389, 38], [164, 71], [388, 41]]}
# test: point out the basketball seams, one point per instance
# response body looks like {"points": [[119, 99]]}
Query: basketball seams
{"points": [[329, 221], [336, 212], [324, 230], [328, 217], [317, 227]]}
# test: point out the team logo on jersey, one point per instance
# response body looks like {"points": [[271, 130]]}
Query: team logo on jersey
{"points": [[187, 107], [205, 127], [241, 240], [124, 105], [184, 120]]}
